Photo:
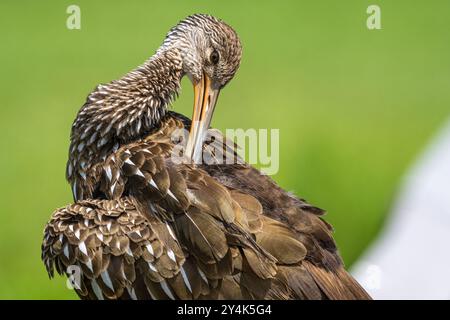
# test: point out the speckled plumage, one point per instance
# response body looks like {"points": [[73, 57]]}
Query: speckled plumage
{"points": [[145, 227], [119, 112]]}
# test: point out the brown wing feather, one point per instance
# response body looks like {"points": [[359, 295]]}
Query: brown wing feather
{"points": [[173, 231], [295, 233], [114, 245]]}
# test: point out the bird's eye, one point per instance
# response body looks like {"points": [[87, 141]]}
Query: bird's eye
{"points": [[214, 57]]}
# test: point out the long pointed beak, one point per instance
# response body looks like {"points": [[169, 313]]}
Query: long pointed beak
{"points": [[205, 98]]}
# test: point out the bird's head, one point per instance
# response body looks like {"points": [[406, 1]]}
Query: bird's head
{"points": [[208, 47], [210, 51]]}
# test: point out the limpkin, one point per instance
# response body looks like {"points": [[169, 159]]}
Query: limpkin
{"points": [[146, 227]]}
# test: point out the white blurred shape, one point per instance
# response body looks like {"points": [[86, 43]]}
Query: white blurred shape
{"points": [[411, 257]]}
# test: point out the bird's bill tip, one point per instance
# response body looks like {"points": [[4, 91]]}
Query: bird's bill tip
{"points": [[205, 98]]}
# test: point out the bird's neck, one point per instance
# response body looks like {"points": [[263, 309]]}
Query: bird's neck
{"points": [[122, 111]]}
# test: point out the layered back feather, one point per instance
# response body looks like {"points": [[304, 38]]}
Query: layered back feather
{"points": [[162, 230]]}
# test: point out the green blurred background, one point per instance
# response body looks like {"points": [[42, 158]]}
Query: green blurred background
{"points": [[354, 107]]}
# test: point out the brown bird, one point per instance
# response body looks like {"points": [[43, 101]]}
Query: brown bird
{"points": [[144, 226]]}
